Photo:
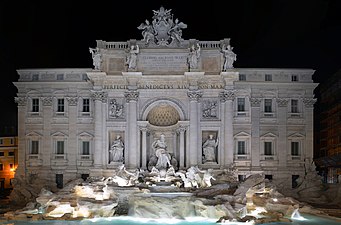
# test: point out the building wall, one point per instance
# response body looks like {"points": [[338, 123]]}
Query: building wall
{"points": [[41, 130], [8, 160]]}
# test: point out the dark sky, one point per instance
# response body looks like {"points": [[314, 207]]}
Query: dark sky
{"points": [[264, 33]]}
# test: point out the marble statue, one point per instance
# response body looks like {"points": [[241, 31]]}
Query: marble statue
{"points": [[209, 149], [193, 56], [148, 32], [116, 110], [131, 60], [159, 146], [96, 57], [162, 31], [116, 150], [229, 57], [206, 181]]}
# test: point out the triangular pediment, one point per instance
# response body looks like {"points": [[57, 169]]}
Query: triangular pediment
{"points": [[296, 135], [59, 134], [33, 134], [85, 134], [242, 134], [269, 135]]}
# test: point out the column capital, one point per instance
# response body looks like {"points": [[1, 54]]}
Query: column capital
{"points": [[72, 100], [194, 95], [282, 102], [309, 102], [131, 95], [226, 95], [99, 96], [47, 101], [255, 102], [181, 130], [21, 101]]}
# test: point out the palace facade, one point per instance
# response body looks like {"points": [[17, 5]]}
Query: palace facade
{"points": [[252, 120]]}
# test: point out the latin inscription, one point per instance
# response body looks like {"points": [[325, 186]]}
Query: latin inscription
{"points": [[163, 62]]}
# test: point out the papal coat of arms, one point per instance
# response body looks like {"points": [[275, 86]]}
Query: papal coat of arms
{"points": [[163, 30]]}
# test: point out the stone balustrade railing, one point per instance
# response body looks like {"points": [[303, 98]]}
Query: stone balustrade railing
{"points": [[209, 44]]}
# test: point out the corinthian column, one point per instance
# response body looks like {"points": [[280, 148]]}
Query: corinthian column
{"points": [[132, 160], [181, 132], [144, 131], [194, 97], [99, 97], [227, 97]]}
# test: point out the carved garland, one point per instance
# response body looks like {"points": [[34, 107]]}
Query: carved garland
{"points": [[47, 101], [282, 102], [21, 101], [100, 96], [255, 102], [72, 101], [226, 95], [309, 102]]}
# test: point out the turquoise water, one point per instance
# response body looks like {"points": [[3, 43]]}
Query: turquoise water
{"points": [[309, 220]]}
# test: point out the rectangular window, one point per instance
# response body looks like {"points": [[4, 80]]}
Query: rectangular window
{"points": [[2, 154], [267, 148], [294, 106], [85, 148], [241, 148], [60, 105], [12, 141], [1, 141], [86, 105], [34, 147], [35, 105], [294, 78], [10, 153], [268, 77], [268, 105], [242, 77], [295, 148], [241, 104], [1, 167], [60, 147]]}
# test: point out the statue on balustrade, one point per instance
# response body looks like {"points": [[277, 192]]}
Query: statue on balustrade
{"points": [[96, 57], [194, 55], [131, 60], [229, 57], [209, 149]]}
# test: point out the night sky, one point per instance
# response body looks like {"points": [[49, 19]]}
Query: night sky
{"points": [[264, 34]]}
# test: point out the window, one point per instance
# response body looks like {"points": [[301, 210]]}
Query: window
{"points": [[60, 105], [60, 76], [241, 177], [60, 148], [2, 154], [241, 148], [34, 147], [85, 148], [294, 78], [295, 148], [10, 153], [11, 166], [242, 77], [268, 77], [267, 148], [1, 167], [268, 176], [86, 105], [268, 105], [294, 106], [12, 141], [1, 141], [35, 105], [241, 104]]}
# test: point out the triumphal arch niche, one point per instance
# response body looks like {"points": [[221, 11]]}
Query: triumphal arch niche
{"points": [[167, 101]]}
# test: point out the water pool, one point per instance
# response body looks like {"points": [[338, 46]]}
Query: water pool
{"points": [[308, 220]]}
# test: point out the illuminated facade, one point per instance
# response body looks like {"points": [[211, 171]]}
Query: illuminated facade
{"points": [[8, 160], [260, 120]]}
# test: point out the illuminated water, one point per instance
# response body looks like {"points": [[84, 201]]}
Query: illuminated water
{"points": [[309, 220]]}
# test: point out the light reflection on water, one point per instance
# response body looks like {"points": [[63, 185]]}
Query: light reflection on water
{"points": [[310, 220]]}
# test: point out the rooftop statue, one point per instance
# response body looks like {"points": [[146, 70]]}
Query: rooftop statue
{"points": [[163, 30]]}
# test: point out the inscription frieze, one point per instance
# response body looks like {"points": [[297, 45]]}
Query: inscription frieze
{"points": [[163, 62]]}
